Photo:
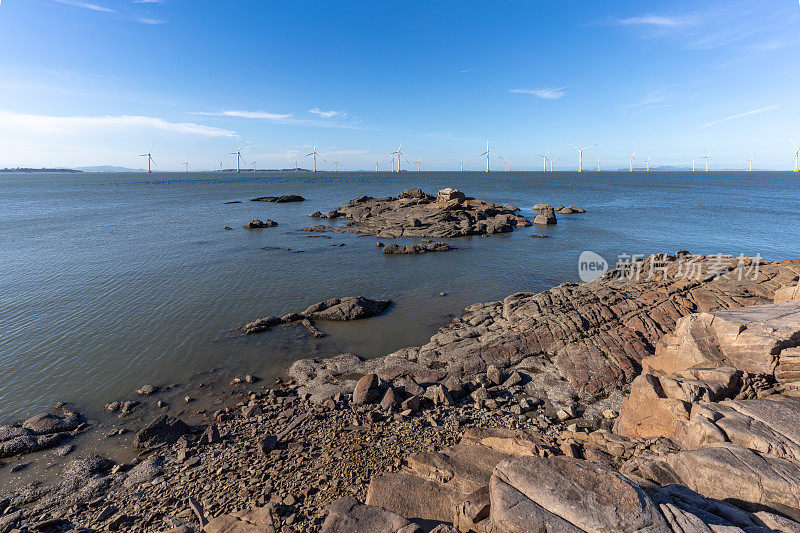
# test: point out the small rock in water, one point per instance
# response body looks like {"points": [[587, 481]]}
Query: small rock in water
{"points": [[146, 390]]}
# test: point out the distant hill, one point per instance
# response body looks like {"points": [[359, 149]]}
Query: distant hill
{"points": [[38, 170], [108, 168]]}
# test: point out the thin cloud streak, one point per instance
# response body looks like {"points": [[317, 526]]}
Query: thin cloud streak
{"points": [[742, 115], [70, 124], [85, 5], [327, 114], [655, 20], [545, 94]]}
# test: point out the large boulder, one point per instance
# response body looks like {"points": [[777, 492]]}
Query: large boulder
{"points": [[348, 515], [787, 294], [546, 216], [567, 494], [648, 412], [348, 308], [449, 194], [163, 430], [751, 339], [730, 472], [56, 420]]}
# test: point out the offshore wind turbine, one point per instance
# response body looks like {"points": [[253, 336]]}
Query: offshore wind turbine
{"points": [[647, 161], [488, 153], [419, 164], [631, 157], [186, 166], [238, 154], [149, 156], [506, 162], [598, 164], [376, 166], [220, 166], [255, 166], [707, 157], [315, 155], [796, 153], [399, 153], [693, 160], [580, 154], [551, 164], [751, 163], [295, 165], [461, 165], [544, 159], [336, 166]]}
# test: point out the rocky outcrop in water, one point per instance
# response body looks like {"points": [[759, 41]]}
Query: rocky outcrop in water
{"points": [[417, 249], [40, 432], [257, 224], [286, 198], [416, 214], [546, 216], [339, 309]]}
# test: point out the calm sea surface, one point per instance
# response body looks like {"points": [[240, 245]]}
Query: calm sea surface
{"points": [[110, 281]]}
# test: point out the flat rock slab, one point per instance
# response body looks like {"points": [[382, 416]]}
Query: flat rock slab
{"points": [[286, 198], [567, 494], [584, 339], [416, 214], [348, 515], [348, 308]]}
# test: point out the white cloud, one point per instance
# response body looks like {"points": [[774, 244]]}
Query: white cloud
{"points": [[741, 115], [85, 5], [655, 20], [546, 94], [327, 114], [147, 20], [73, 124]]}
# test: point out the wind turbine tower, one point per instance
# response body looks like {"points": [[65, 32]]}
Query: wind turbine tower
{"points": [[419, 164], [580, 154], [149, 156], [631, 157], [487, 153], [239, 158], [551, 164], [399, 154], [376, 166], [544, 160], [796, 154], [461, 165], [598, 164], [186, 166], [315, 155], [647, 162], [751, 163], [693, 160], [707, 157], [336, 166]]}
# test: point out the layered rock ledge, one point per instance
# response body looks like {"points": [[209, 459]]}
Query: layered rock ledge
{"points": [[416, 214], [489, 428]]}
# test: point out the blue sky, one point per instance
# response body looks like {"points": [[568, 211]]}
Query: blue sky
{"points": [[98, 81]]}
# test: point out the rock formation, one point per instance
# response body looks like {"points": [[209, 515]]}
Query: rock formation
{"points": [[416, 214], [347, 308], [257, 224], [279, 199], [417, 249]]}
